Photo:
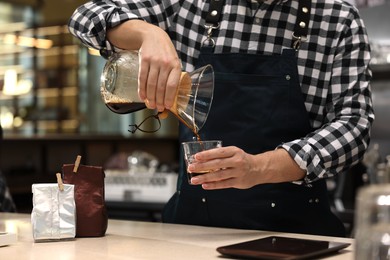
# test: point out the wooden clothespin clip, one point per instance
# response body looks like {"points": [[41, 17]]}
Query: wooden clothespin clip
{"points": [[77, 163], [59, 181]]}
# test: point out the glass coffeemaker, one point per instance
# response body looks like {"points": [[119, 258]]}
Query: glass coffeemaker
{"points": [[119, 90]]}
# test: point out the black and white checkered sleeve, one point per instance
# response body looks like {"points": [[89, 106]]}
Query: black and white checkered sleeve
{"points": [[89, 22], [344, 136]]}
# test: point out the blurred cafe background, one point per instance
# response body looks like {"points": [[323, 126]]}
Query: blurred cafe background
{"points": [[51, 111]]}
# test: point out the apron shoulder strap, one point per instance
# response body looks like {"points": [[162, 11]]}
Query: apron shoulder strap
{"points": [[302, 24], [212, 21], [214, 14]]}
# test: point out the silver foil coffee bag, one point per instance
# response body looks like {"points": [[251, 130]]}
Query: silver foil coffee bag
{"points": [[53, 215]]}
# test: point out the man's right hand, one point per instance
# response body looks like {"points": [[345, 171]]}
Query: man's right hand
{"points": [[160, 67]]}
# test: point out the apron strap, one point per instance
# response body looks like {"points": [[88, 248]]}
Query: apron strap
{"points": [[302, 24], [215, 11], [212, 20], [300, 31]]}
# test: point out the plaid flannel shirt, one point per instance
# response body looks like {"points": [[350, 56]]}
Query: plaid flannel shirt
{"points": [[333, 63]]}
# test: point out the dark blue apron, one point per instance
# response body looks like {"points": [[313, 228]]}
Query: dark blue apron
{"points": [[257, 106]]}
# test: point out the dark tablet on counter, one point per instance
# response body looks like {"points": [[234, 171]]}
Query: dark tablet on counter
{"points": [[283, 248]]}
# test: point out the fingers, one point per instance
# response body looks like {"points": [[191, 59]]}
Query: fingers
{"points": [[213, 159], [216, 180], [225, 184], [142, 80], [212, 176], [160, 90], [151, 87], [166, 88], [229, 167], [217, 153], [221, 179], [171, 87], [158, 82]]}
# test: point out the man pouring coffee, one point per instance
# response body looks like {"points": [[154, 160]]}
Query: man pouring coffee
{"points": [[292, 100]]}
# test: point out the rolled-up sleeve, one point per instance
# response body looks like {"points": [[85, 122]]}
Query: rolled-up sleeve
{"points": [[344, 136]]}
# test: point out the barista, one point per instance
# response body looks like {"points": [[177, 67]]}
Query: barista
{"points": [[292, 101]]}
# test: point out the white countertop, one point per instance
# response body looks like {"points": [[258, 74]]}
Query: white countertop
{"points": [[137, 240]]}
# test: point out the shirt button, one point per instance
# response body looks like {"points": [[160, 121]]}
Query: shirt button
{"points": [[288, 77], [317, 200], [273, 205], [203, 200], [257, 20], [310, 201]]}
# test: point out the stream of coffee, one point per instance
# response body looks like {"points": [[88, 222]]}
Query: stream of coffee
{"points": [[193, 174]]}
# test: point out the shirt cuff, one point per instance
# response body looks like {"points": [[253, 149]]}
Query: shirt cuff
{"points": [[302, 163]]}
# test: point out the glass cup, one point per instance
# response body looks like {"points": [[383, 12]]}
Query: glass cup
{"points": [[372, 221], [193, 147]]}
